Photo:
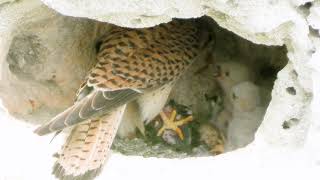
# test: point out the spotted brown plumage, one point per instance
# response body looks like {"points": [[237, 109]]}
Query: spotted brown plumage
{"points": [[133, 64], [144, 58]]}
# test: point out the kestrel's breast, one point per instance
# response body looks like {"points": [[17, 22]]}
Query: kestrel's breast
{"points": [[145, 58]]}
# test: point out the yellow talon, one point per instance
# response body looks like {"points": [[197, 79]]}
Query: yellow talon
{"points": [[179, 132], [173, 124], [184, 121], [173, 116]]}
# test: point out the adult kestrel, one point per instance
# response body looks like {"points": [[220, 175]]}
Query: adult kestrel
{"points": [[133, 65]]}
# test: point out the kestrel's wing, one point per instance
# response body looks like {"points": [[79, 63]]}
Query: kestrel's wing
{"points": [[96, 104], [130, 61]]}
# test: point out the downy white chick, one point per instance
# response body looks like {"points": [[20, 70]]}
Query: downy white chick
{"points": [[247, 115], [229, 74]]}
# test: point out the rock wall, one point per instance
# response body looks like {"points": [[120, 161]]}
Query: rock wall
{"points": [[38, 49], [39, 46]]}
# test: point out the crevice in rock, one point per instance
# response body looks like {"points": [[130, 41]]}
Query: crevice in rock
{"points": [[244, 66], [305, 8], [226, 117], [67, 46], [290, 123]]}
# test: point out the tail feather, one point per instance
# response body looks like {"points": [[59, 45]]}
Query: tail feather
{"points": [[91, 106], [88, 147]]}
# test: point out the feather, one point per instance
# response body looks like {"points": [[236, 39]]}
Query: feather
{"points": [[84, 109], [88, 147]]}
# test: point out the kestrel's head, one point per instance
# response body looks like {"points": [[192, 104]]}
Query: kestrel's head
{"points": [[245, 96]]}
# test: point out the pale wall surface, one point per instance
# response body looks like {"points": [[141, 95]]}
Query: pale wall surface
{"points": [[45, 35]]}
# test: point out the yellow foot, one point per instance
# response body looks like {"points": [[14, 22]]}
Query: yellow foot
{"points": [[172, 123]]}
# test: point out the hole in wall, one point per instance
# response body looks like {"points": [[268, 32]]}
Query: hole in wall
{"points": [[290, 123], [291, 90], [25, 56], [305, 8], [227, 94]]}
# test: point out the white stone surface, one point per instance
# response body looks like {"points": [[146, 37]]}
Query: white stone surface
{"points": [[133, 13], [314, 16], [62, 39], [42, 58]]}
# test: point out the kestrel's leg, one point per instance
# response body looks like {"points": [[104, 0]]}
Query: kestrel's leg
{"points": [[172, 123]]}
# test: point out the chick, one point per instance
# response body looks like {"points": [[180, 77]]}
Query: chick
{"points": [[229, 74], [212, 137], [223, 119], [245, 97], [247, 115]]}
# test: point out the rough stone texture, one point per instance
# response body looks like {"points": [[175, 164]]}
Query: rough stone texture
{"points": [[134, 13], [313, 18], [43, 58], [35, 85]]}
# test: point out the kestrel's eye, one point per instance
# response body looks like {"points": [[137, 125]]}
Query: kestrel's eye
{"points": [[227, 73]]}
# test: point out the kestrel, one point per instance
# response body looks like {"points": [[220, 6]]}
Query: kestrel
{"points": [[134, 65]]}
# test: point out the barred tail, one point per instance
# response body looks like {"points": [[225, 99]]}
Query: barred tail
{"points": [[88, 147]]}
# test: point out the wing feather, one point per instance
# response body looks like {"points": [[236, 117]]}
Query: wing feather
{"points": [[85, 109], [88, 147]]}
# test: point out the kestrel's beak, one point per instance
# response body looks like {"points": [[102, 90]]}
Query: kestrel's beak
{"points": [[217, 72]]}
